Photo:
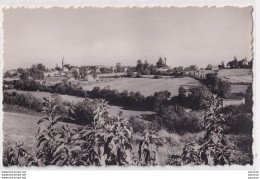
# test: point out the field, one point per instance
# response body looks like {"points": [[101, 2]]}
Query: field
{"points": [[145, 86], [239, 88], [21, 129], [236, 75], [238, 79]]}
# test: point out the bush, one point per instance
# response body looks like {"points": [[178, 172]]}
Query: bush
{"points": [[157, 77], [240, 124], [176, 119], [24, 100], [196, 99], [217, 86], [106, 141], [27, 85], [83, 112]]}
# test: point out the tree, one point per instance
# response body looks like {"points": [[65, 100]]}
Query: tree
{"points": [[140, 66], [160, 63], [159, 98], [75, 74], [58, 68], [118, 66], [198, 97], [24, 74], [82, 71], [250, 64], [222, 65], [193, 67], [212, 82], [224, 89], [130, 73], [7, 74], [36, 71], [235, 63], [146, 68], [182, 92], [153, 69], [94, 73], [41, 67], [249, 99]]}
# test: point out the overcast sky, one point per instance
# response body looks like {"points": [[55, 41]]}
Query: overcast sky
{"points": [[105, 36]]}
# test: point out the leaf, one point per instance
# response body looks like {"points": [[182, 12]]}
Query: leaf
{"points": [[88, 133], [42, 120], [59, 148], [40, 130], [76, 149], [75, 137]]}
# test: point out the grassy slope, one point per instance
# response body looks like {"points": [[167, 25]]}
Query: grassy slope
{"points": [[22, 128], [145, 85]]}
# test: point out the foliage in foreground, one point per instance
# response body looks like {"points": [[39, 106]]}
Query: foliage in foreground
{"points": [[106, 141], [213, 149], [109, 141]]}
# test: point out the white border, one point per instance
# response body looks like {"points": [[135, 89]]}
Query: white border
{"points": [[152, 3]]}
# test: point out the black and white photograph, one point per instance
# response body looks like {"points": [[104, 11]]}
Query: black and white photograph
{"points": [[127, 86]]}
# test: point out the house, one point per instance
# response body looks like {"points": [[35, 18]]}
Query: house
{"points": [[121, 69], [51, 73], [73, 68], [212, 67], [14, 73], [90, 77], [187, 89], [162, 70], [66, 68], [9, 81], [108, 70], [228, 66], [233, 102]]}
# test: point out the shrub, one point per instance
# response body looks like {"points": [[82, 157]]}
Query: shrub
{"points": [[218, 86], [157, 77], [24, 100], [106, 141], [83, 112], [213, 149], [240, 124], [176, 119]]}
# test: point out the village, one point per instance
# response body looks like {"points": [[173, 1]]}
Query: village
{"points": [[134, 86], [238, 73]]}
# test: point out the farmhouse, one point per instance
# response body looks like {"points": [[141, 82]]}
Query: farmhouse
{"points": [[66, 67], [187, 89], [212, 67], [121, 69], [233, 102], [9, 81], [51, 73], [13, 73], [90, 77], [108, 69], [73, 68]]}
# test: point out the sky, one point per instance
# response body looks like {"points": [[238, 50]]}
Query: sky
{"points": [[105, 36]]}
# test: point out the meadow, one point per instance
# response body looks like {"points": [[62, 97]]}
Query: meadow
{"points": [[21, 129], [236, 75], [145, 86], [164, 135]]}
